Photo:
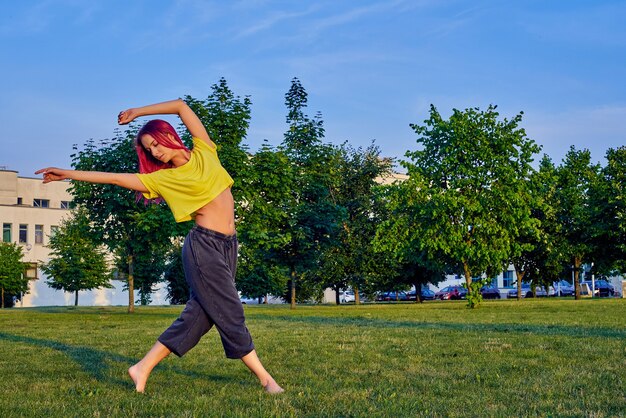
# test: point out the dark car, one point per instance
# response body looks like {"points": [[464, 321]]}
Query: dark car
{"points": [[451, 292], [426, 294], [603, 288], [489, 292], [392, 296]]}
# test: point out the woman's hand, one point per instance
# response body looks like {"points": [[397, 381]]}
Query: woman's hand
{"points": [[127, 116], [52, 174]]}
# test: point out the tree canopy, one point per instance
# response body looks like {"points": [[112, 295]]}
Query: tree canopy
{"points": [[77, 262], [12, 278], [310, 214], [468, 173]]}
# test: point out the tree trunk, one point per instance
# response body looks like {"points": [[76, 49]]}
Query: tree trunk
{"points": [[520, 277], [131, 286], [577, 262], [357, 301], [468, 275], [418, 292], [337, 301], [265, 300], [2, 298], [76, 298], [293, 289]]}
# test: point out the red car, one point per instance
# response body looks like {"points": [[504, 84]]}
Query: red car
{"points": [[451, 292]]}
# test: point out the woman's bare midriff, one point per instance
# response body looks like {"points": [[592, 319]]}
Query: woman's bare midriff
{"points": [[218, 214]]}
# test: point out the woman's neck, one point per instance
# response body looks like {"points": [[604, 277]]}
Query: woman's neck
{"points": [[180, 158]]}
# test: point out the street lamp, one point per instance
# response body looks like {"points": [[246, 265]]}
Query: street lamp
{"points": [[593, 282]]}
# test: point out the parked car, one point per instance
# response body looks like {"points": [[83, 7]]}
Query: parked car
{"points": [[426, 294], [346, 296], [248, 301], [563, 288], [451, 292], [392, 295], [489, 292], [527, 292], [603, 288], [512, 294]]}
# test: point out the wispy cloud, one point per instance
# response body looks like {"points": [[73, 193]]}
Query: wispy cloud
{"points": [[272, 20], [440, 28], [351, 15], [34, 18], [184, 22]]}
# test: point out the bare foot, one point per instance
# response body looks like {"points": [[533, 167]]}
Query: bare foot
{"points": [[139, 377], [272, 387]]}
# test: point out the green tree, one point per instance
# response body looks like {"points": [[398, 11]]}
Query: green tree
{"points": [[263, 226], [76, 262], [398, 252], [468, 174], [575, 179], [608, 197], [349, 262], [536, 255], [314, 218], [149, 255], [174, 276], [131, 229], [12, 268]]}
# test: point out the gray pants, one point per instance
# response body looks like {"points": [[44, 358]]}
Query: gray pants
{"points": [[210, 263]]}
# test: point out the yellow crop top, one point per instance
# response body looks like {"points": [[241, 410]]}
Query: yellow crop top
{"points": [[191, 186]]}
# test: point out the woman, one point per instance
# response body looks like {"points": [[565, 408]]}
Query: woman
{"points": [[195, 186]]}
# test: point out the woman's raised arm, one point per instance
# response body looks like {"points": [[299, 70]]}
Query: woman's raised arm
{"points": [[126, 180], [172, 107]]}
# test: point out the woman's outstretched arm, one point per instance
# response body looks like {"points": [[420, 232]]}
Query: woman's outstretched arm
{"points": [[172, 107], [126, 180]]}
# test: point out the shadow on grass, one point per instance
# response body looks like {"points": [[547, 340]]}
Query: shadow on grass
{"points": [[98, 363], [553, 330]]}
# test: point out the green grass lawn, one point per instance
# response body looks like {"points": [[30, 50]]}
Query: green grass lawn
{"points": [[507, 358]]}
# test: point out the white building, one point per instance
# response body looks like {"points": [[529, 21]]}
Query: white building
{"points": [[29, 213]]}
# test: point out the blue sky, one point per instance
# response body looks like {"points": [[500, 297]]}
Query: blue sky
{"points": [[370, 67]]}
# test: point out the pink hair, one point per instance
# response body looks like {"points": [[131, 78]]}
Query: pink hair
{"points": [[157, 129]]}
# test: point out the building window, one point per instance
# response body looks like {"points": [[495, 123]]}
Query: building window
{"points": [[41, 203], [66, 204], [53, 229], [31, 270], [6, 232], [19, 200], [23, 233], [38, 234], [508, 279]]}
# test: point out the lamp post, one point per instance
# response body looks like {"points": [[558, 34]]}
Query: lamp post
{"points": [[593, 282]]}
